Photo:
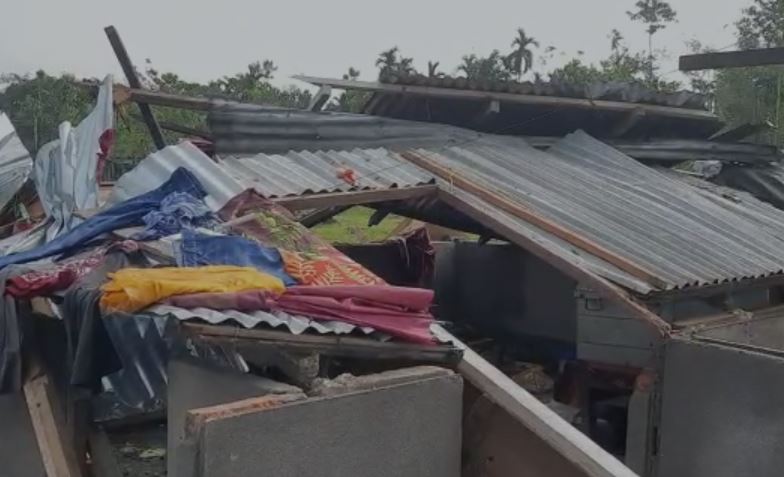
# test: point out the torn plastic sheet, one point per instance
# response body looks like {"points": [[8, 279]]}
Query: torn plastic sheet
{"points": [[67, 169]]}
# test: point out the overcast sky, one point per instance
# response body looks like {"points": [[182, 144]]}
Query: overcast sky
{"points": [[202, 40]]}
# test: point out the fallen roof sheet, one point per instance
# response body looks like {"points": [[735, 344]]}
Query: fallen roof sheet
{"points": [[156, 168], [294, 323], [531, 112], [15, 162], [609, 90], [247, 130], [298, 173]]}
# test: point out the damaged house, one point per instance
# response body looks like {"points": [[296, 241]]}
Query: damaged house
{"points": [[611, 317]]}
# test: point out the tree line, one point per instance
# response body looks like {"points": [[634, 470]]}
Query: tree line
{"points": [[37, 104]]}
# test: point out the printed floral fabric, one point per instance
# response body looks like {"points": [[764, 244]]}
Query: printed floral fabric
{"points": [[307, 258]]}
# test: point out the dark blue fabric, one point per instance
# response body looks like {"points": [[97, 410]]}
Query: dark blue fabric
{"points": [[199, 249], [178, 211], [122, 215]]}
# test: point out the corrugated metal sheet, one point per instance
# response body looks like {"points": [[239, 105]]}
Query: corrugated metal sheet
{"points": [[595, 191], [606, 91], [297, 173], [296, 324], [15, 162], [248, 130], [158, 166]]}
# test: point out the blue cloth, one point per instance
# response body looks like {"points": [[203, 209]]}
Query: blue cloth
{"points": [[178, 211], [199, 249], [122, 215]]}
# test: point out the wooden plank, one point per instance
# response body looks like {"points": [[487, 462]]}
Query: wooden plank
{"points": [[133, 81], [327, 344], [52, 447], [335, 199], [569, 442], [604, 287], [554, 101], [518, 210], [732, 59]]}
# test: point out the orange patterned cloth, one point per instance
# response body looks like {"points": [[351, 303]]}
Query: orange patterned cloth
{"points": [[309, 259]]}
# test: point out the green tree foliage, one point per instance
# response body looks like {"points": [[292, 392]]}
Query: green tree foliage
{"points": [[38, 104], [755, 94], [392, 64], [655, 15], [762, 25], [350, 101], [494, 67], [521, 60], [432, 70]]}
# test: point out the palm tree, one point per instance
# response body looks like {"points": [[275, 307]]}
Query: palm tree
{"points": [[432, 70], [387, 61], [521, 60]]}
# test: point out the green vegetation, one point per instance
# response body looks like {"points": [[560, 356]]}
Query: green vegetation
{"points": [[351, 227]]}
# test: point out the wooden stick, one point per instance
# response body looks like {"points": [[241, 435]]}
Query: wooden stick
{"points": [[522, 212], [50, 444], [133, 81]]}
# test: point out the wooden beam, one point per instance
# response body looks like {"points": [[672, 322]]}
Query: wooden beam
{"points": [[732, 59], [564, 438], [133, 81], [320, 98], [328, 345], [136, 95], [322, 215], [359, 197], [604, 287], [51, 444], [520, 211], [553, 101]]}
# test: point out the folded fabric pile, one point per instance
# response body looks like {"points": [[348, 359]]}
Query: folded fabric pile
{"points": [[398, 311], [178, 211], [133, 289], [60, 275]]}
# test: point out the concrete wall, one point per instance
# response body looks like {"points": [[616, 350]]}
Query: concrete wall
{"points": [[408, 429], [501, 288], [194, 386], [722, 412]]}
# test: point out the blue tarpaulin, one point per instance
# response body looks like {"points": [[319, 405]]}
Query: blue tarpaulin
{"points": [[125, 214], [199, 249]]}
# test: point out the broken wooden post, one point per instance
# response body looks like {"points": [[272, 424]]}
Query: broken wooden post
{"points": [[133, 81]]}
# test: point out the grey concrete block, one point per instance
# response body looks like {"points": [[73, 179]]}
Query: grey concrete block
{"points": [[19, 455], [408, 429], [346, 383], [192, 386]]}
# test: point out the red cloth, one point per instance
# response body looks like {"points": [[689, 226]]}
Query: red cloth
{"points": [[398, 311], [61, 274]]}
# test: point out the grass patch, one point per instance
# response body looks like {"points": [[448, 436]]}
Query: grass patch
{"points": [[350, 227]]}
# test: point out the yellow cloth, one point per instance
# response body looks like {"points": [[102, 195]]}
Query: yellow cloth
{"points": [[132, 289]]}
